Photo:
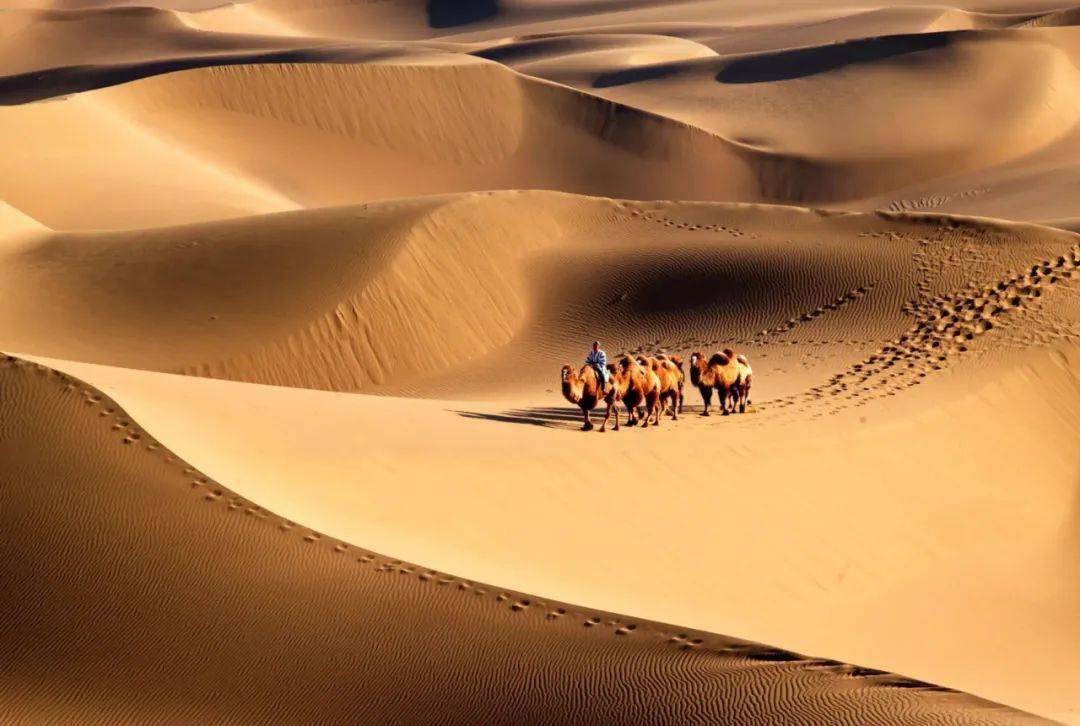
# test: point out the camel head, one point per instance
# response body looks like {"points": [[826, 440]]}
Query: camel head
{"points": [[697, 366], [618, 377], [571, 384]]}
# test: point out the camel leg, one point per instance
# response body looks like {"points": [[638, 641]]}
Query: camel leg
{"points": [[615, 408], [725, 394], [676, 405], [631, 415], [588, 422], [607, 416], [706, 396]]}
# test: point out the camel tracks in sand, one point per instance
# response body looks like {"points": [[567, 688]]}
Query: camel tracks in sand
{"points": [[945, 327], [675, 224], [833, 305], [210, 492]]}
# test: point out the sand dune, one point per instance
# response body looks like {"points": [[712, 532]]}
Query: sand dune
{"points": [[686, 124], [386, 301], [130, 527], [332, 254], [359, 297]]}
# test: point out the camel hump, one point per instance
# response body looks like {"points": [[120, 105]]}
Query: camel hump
{"points": [[677, 360], [742, 359], [626, 362], [719, 359]]}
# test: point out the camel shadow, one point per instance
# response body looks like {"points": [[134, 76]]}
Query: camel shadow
{"points": [[552, 417], [559, 417]]}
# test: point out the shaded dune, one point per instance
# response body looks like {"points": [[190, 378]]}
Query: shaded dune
{"points": [[134, 561], [799, 63]]}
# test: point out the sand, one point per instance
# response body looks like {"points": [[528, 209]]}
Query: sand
{"points": [[289, 283]]}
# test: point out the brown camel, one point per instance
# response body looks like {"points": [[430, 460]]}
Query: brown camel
{"points": [[671, 383], [583, 390], [718, 373], [746, 377], [637, 386], [679, 373]]}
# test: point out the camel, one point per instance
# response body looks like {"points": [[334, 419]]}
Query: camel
{"points": [[680, 374], [636, 386], [746, 377], [671, 383], [719, 373], [583, 390]]}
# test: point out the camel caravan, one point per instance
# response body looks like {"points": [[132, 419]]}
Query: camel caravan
{"points": [[651, 387]]}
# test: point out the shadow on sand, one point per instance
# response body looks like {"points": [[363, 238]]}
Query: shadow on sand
{"points": [[559, 417], [562, 417], [452, 13], [801, 62]]}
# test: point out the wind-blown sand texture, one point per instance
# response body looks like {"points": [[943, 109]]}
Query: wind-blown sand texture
{"points": [[289, 279]]}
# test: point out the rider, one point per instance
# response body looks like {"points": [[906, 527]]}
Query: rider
{"points": [[598, 360]]}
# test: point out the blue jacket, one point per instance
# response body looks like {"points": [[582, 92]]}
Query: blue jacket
{"points": [[598, 358]]}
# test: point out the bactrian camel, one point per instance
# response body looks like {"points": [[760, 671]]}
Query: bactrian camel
{"points": [[638, 387], [719, 373], [583, 389], [671, 382]]}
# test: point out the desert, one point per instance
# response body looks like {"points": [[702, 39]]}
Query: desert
{"points": [[297, 299]]}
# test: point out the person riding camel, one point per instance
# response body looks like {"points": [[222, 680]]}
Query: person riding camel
{"points": [[598, 360]]}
